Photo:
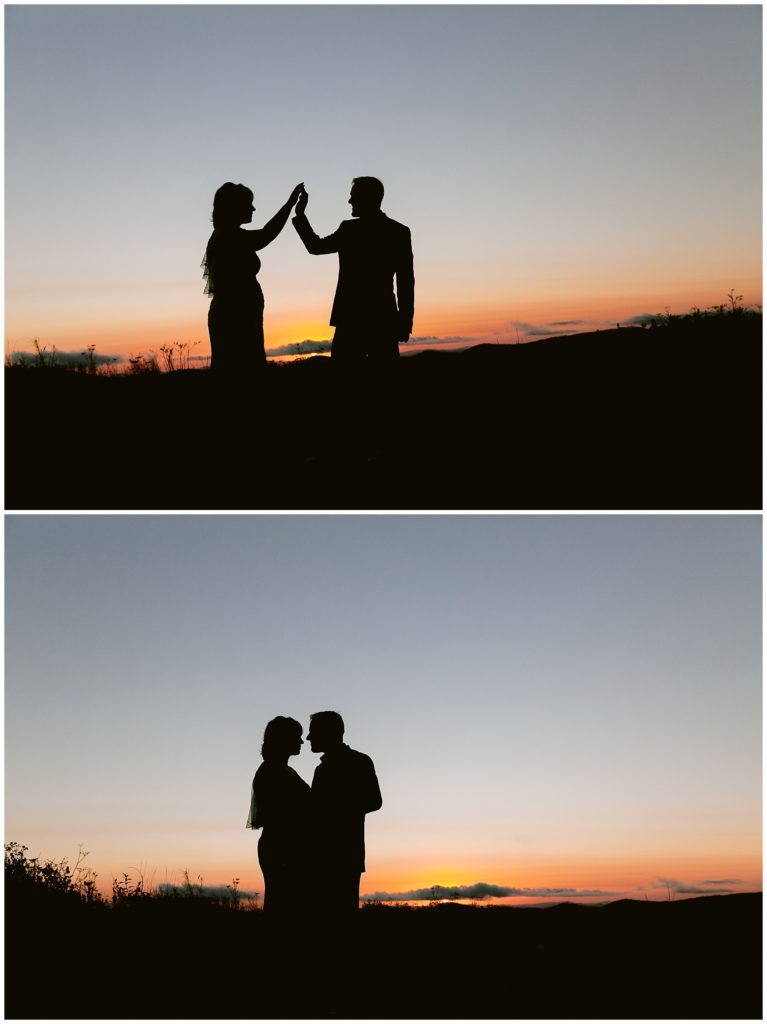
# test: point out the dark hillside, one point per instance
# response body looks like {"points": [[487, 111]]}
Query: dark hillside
{"points": [[171, 958], [626, 418]]}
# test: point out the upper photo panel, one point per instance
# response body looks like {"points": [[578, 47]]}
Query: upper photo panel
{"points": [[391, 257]]}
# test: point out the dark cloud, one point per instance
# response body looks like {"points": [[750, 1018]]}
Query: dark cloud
{"points": [[57, 358], [698, 888], [536, 330], [433, 340], [478, 891], [640, 320], [566, 323], [724, 881], [219, 892], [307, 347]]}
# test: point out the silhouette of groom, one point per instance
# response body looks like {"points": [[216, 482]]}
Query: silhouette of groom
{"points": [[372, 250], [344, 789]]}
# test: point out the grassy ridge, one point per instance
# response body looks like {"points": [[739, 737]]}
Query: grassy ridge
{"points": [[71, 954], [188, 958], [626, 418]]}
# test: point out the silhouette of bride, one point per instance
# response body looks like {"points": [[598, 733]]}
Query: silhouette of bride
{"points": [[281, 805], [230, 266]]}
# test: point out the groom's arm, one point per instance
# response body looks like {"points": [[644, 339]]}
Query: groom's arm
{"points": [[314, 244], [405, 286], [369, 790]]}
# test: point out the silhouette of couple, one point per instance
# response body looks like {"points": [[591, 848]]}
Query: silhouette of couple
{"points": [[312, 837], [372, 250]]}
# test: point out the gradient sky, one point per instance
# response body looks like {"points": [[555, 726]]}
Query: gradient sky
{"points": [[551, 702], [559, 166]]}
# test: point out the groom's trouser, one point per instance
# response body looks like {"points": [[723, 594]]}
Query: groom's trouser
{"points": [[355, 345], [366, 364], [343, 891]]}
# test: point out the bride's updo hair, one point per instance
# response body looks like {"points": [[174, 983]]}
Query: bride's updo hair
{"points": [[279, 737], [229, 202]]}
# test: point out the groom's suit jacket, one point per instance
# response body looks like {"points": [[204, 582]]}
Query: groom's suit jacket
{"points": [[372, 252], [344, 789]]}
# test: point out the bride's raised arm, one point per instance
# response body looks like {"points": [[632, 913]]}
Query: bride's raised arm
{"points": [[261, 237]]}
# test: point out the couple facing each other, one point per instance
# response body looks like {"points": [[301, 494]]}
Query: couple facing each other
{"points": [[372, 250], [318, 828]]}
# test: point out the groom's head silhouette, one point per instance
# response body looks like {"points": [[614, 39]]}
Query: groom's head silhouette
{"points": [[326, 731], [366, 196]]}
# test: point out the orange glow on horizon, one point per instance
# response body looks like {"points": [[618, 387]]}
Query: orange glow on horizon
{"points": [[617, 875], [489, 320], [631, 876]]}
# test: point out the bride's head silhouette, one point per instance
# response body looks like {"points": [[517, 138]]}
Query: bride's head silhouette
{"points": [[232, 206], [282, 739]]}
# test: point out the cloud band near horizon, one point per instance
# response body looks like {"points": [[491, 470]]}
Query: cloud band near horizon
{"points": [[478, 891]]}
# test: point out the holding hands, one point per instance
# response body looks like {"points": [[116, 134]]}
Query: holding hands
{"points": [[303, 199], [296, 193]]}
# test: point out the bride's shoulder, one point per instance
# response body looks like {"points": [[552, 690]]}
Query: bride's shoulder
{"points": [[263, 770]]}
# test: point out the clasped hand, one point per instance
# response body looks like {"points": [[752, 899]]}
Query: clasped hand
{"points": [[300, 197]]}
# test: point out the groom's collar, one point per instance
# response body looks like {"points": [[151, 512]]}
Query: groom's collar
{"points": [[332, 754]]}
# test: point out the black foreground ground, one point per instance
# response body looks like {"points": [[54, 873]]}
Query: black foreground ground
{"points": [[177, 958], [619, 419]]}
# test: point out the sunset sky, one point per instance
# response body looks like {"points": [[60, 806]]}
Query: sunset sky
{"points": [[556, 705], [560, 167]]}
